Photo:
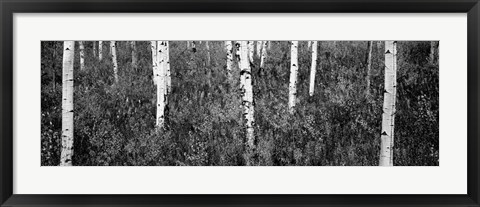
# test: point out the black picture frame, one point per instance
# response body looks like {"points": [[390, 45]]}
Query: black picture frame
{"points": [[9, 7]]}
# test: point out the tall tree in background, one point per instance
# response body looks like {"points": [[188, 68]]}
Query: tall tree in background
{"points": [[264, 55], [251, 48], [100, 50], [388, 116], [208, 52], [153, 46], [247, 92], [259, 48], [292, 88], [313, 68], [159, 63], [166, 62], [228, 46], [369, 65], [432, 51], [134, 53], [309, 44], [237, 52], [82, 55], [114, 60], [94, 49], [67, 104]]}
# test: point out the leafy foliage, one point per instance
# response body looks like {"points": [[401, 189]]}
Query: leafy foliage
{"points": [[114, 124]]}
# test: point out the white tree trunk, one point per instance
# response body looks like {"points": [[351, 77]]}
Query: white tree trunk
{"points": [[153, 46], [313, 69], [369, 65], [388, 116], [161, 82], [94, 49], [310, 43], [264, 54], [188, 44], [134, 53], [259, 48], [67, 104], [168, 77], [82, 55], [114, 60], [228, 46], [237, 53], [100, 50], [269, 45], [247, 92], [251, 47], [292, 88], [208, 52]]}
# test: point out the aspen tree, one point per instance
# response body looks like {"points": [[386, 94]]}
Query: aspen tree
{"points": [[82, 55], [67, 104], [188, 44], [292, 88], [114, 60], [208, 52], [259, 48], [94, 49], [247, 92], [100, 50], [388, 116], [161, 83], [432, 51], [250, 51], [313, 68], [168, 77], [134, 53], [153, 46], [228, 46], [309, 44], [237, 52], [369, 65], [264, 54], [269, 45]]}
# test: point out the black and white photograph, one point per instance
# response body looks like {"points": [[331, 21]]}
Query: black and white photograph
{"points": [[240, 103]]}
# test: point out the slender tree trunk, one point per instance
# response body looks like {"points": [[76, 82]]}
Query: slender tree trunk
{"points": [[114, 60], [82, 55], [94, 49], [194, 47], [134, 54], [264, 54], [208, 52], [313, 68], [432, 52], [228, 45], [67, 104], [53, 64], [259, 48], [153, 46], [369, 65], [309, 44], [161, 83], [100, 50], [168, 77], [247, 92], [269, 45], [292, 88], [188, 44], [251, 47], [388, 116], [238, 52]]}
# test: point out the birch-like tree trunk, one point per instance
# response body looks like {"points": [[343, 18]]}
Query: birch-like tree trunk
{"points": [[228, 46], [264, 54], [432, 51], [153, 46], [309, 44], [168, 77], [133, 45], [269, 45], [188, 44], [292, 88], [159, 66], [114, 60], [388, 116], [82, 55], [67, 104], [237, 53], [208, 52], [94, 49], [259, 48], [100, 50], [251, 48], [369, 65], [247, 92], [313, 69]]}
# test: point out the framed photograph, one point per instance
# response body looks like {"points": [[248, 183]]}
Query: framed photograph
{"points": [[239, 103]]}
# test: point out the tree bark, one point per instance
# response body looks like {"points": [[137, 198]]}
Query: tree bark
{"points": [[313, 68], [168, 77], [388, 116], [82, 55], [251, 47], [237, 53], [100, 50], [94, 49], [161, 82], [369, 66], [292, 88], [309, 44], [67, 104], [134, 54], [228, 46], [264, 54], [114, 60], [432, 52], [153, 46], [208, 52], [247, 92], [259, 48]]}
